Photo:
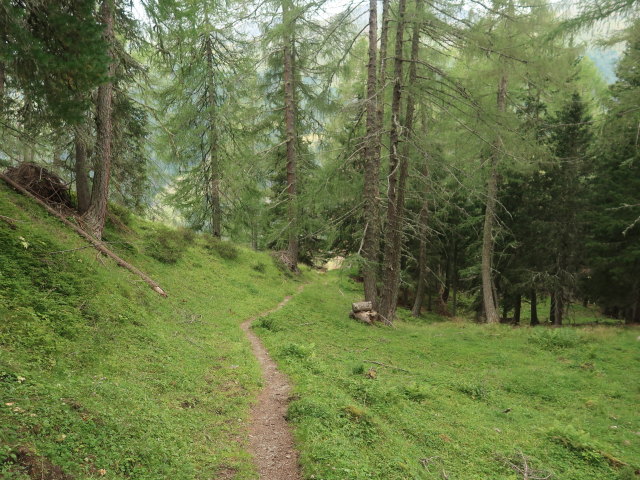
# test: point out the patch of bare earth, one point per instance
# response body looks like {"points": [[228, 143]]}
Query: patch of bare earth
{"points": [[37, 467], [270, 437]]}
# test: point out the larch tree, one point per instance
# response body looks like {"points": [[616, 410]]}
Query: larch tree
{"points": [[200, 102], [291, 139], [371, 190], [96, 213]]}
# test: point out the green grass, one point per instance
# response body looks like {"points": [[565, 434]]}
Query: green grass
{"points": [[472, 399], [104, 378], [99, 372]]}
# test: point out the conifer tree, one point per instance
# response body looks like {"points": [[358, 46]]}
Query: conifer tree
{"points": [[96, 213]]}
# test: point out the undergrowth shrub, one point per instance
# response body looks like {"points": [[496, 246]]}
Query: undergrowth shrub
{"points": [[414, 392], [306, 408], [121, 214], [268, 323], [578, 442], [280, 262], [370, 392], [556, 338], [361, 423], [259, 267], [475, 391], [357, 368], [168, 245], [225, 250], [295, 350]]}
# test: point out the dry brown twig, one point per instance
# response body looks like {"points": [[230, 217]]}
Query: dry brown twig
{"points": [[9, 221], [387, 366], [521, 464]]}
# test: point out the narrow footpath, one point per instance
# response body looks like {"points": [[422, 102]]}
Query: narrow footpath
{"points": [[270, 437]]}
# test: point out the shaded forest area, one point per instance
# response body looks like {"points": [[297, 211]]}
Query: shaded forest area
{"points": [[464, 155]]}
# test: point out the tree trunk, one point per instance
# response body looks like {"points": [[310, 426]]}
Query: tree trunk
{"points": [[487, 247], [398, 168], [534, 309], [382, 69], [634, 317], [2, 76], [556, 310], [214, 164], [423, 220], [454, 281], [517, 308], [447, 280], [371, 241], [489, 214], [81, 170], [254, 235], [97, 211], [291, 137], [505, 309]]}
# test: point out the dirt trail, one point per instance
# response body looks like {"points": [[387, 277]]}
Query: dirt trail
{"points": [[270, 438]]}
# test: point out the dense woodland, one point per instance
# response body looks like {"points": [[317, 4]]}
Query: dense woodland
{"points": [[460, 153]]}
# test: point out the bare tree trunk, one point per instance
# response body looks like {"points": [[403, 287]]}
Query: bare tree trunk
{"points": [[2, 76], [423, 222], [556, 310], [83, 191], [635, 315], [214, 164], [254, 235], [517, 308], [96, 214], [382, 69], [534, 308], [291, 136], [444, 297], [487, 247], [490, 210], [397, 177], [371, 241], [454, 281]]}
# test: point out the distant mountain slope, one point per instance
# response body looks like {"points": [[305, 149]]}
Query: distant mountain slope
{"points": [[606, 61]]}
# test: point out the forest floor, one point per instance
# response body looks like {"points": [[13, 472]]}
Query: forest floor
{"points": [[436, 398], [102, 378]]}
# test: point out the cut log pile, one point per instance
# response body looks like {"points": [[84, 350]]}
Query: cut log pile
{"points": [[363, 312]]}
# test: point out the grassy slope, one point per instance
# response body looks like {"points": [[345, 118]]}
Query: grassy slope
{"points": [[572, 394], [115, 377]]}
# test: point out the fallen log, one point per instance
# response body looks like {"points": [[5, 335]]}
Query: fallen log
{"points": [[365, 317], [97, 244], [361, 307]]}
